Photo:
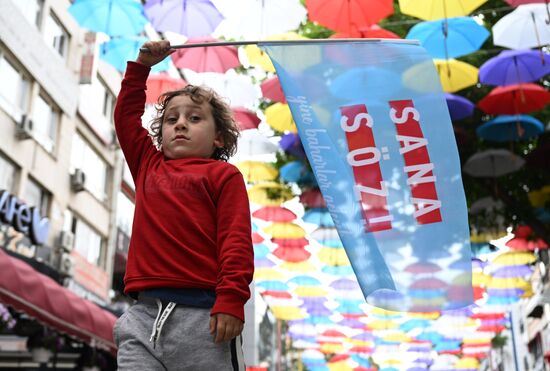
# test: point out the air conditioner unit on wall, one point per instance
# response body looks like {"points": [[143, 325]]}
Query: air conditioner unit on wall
{"points": [[78, 180], [24, 128], [66, 240], [66, 265]]}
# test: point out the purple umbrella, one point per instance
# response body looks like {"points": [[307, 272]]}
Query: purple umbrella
{"points": [[192, 18], [291, 144], [507, 292], [459, 107], [514, 67], [513, 271]]}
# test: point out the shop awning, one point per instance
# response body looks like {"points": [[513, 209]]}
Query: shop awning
{"points": [[40, 297]]}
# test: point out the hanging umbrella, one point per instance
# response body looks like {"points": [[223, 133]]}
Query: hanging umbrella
{"points": [[269, 194], [455, 75], [279, 117], [274, 214], [291, 144], [118, 51], [258, 18], [206, 58], [506, 128], [511, 271], [449, 38], [161, 83], [192, 18], [312, 198], [284, 230], [523, 28], [290, 242], [245, 118], [318, 216], [297, 172], [514, 258], [256, 171], [291, 254], [459, 107], [345, 15], [113, 17], [437, 9], [492, 163], [524, 240], [515, 99], [514, 67], [271, 89], [252, 143], [372, 31]]}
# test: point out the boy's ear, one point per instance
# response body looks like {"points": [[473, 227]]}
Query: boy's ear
{"points": [[218, 141]]}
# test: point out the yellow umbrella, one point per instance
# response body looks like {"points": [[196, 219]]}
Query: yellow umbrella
{"points": [[310, 292], [539, 197], [515, 258], [480, 279], [455, 75], [279, 117], [436, 9], [333, 256], [285, 230], [328, 348], [424, 315], [340, 366], [261, 274], [381, 324], [256, 171], [300, 267], [487, 236], [397, 337], [467, 363], [269, 194], [287, 313], [383, 312], [257, 57]]}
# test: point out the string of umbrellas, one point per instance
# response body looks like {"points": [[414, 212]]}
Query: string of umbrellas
{"points": [[302, 270]]}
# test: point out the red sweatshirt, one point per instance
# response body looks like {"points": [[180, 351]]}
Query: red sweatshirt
{"points": [[192, 218]]}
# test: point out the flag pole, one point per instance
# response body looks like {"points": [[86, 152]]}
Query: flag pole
{"points": [[283, 42]]}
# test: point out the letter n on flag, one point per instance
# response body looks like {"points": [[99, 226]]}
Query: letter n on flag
{"points": [[376, 129]]}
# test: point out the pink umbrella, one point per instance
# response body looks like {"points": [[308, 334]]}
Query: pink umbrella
{"points": [[274, 214], [161, 83], [246, 118], [206, 58], [271, 89]]}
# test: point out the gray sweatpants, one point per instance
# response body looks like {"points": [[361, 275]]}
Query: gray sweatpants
{"points": [[184, 343]]}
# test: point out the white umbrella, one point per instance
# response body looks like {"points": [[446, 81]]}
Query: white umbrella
{"points": [[259, 18], [238, 89], [523, 28], [492, 163], [252, 144]]}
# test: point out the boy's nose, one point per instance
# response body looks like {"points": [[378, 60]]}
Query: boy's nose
{"points": [[181, 123]]}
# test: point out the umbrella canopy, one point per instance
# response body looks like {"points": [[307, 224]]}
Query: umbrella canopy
{"points": [[297, 172], [206, 59], [437, 9], [253, 143], [523, 28], [161, 83], [512, 271], [269, 194], [514, 258], [312, 198], [245, 118], [449, 38], [284, 230], [318, 216], [506, 128], [192, 18], [372, 31], [455, 75], [256, 171], [279, 117], [515, 99], [113, 17], [345, 15], [492, 163], [274, 214], [271, 89], [514, 67], [291, 144], [459, 107], [118, 51]]}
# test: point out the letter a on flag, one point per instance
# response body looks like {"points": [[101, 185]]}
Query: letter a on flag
{"points": [[376, 129]]}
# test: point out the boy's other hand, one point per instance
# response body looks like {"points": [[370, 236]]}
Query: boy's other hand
{"points": [[158, 50], [225, 327]]}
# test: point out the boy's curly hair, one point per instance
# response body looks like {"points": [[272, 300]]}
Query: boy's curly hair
{"points": [[222, 113]]}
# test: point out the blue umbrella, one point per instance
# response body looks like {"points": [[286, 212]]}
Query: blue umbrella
{"points": [[113, 17], [118, 51], [449, 37], [510, 127], [319, 216], [273, 285], [514, 67], [297, 172], [459, 107], [261, 251]]}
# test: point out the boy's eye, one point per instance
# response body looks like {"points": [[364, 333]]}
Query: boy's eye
{"points": [[195, 118], [170, 119]]}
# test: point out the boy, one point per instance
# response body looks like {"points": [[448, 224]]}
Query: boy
{"points": [[190, 260]]}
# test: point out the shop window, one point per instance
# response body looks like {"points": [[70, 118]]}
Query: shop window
{"points": [[9, 172], [56, 36], [14, 88], [95, 169], [36, 195], [87, 242], [45, 118], [31, 9]]}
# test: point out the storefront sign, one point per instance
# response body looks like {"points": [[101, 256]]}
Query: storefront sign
{"points": [[23, 218]]}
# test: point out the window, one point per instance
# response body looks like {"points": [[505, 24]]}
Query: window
{"points": [[31, 9], [8, 171], [45, 118], [13, 89], [35, 195], [108, 99], [83, 157], [124, 213], [56, 36], [87, 242]]}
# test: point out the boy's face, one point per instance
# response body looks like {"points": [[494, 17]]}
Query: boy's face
{"points": [[189, 129]]}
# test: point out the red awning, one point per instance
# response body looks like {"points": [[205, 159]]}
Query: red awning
{"points": [[41, 297]]}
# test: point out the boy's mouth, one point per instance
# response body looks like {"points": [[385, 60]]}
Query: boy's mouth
{"points": [[180, 137]]}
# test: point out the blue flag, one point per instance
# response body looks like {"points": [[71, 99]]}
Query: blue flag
{"points": [[376, 130]]}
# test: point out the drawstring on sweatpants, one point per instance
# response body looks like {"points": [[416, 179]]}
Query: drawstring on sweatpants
{"points": [[162, 316]]}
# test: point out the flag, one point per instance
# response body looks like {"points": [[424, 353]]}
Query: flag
{"points": [[381, 145]]}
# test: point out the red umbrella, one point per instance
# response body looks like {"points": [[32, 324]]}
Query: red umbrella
{"points": [[271, 89], [292, 254], [274, 214], [161, 83], [257, 238], [525, 241], [206, 58], [290, 242], [515, 99], [346, 15], [369, 32], [245, 118], [313, 198]]}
